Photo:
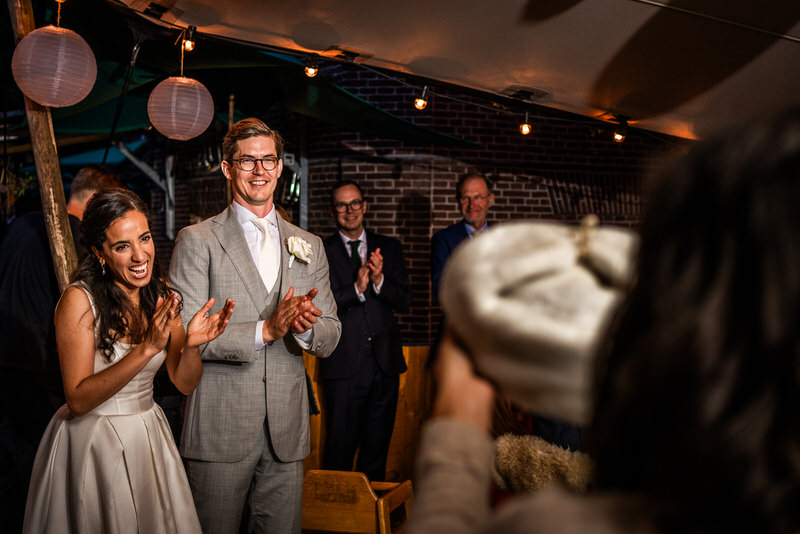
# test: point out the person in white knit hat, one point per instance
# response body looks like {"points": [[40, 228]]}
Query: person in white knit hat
{"points": [[693, 413]]}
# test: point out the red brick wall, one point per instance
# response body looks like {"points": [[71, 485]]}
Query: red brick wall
{"points": [[566, 168]]}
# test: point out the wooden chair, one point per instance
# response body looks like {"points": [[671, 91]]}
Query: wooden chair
{"points": [[344, 501]]}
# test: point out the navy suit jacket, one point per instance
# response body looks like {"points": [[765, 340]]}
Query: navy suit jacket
{"points": [[443, 243], [371, 322]]}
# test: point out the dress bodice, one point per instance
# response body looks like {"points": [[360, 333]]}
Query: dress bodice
{"points": [[135, 396]]}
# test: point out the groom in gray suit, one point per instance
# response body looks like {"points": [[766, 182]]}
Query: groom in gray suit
{"points": [[246, 429]]}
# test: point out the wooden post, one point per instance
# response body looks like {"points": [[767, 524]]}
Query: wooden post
{"points": [[45, 155]]}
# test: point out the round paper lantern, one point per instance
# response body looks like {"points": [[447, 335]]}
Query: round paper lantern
{"points": [[180, 108], [54, 67]]}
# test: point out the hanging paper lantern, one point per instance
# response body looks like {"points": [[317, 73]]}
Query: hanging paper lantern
{"points": [[180, 108], [54, 66]]}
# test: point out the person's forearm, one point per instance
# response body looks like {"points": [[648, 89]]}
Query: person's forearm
{"points": [[95, 389]]}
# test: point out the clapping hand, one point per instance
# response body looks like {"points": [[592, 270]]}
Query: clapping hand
{"points": [[202, 329], [296, 314], [375, 265], [162, 322]]}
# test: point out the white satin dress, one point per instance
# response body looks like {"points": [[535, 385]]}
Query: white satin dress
{"points": [[115, 469]]}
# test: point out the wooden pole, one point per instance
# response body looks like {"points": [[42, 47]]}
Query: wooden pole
{"points": [[45, 155]]}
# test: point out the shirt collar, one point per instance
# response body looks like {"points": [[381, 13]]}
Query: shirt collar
{"points": [[244, 215], [471, 229], [346, 240]]}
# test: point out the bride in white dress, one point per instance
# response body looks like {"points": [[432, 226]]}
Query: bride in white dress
{"points": [[107, 462]]}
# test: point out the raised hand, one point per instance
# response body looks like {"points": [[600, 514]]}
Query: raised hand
{"points": [[362, 278], [375, 264], [293, 313], [202, 329], [308, 313], [461, 394], [164, 319]]}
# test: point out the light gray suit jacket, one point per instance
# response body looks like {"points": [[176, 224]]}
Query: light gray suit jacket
{"points": [[243, 388]]}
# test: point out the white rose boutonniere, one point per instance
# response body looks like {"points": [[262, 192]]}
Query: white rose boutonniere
{"points": [[298, 248]]}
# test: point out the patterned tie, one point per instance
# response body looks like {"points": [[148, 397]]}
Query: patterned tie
{"points": [[267, 266], [355, 257]]}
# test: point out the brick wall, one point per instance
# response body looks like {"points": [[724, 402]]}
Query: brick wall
{"points": [[566, 168]]}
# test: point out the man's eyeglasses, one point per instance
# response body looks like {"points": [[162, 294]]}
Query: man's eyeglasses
{"points": [[474, 198], [249, 164], [341, 207]]}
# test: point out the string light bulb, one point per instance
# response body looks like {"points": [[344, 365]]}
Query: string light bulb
{"points": [[311, 69], [188, 41], [422, 100], [525, 128], [621, 132]]}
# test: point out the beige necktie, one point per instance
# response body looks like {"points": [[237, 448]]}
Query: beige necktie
{"points": [[267, 266]]}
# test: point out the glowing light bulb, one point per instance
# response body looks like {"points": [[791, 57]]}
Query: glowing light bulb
{"points": [[311, 69], [188, 42], [525, 128], [422, 100]]}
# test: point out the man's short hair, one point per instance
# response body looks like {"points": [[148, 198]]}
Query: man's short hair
{"points": [[91, 179], [467, 176], [343, 183], [245, 129]]}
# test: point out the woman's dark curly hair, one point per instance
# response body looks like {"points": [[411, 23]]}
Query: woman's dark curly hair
{"points": [[698, 394], [115, 316]]}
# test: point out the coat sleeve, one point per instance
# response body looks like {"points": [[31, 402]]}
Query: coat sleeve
{"points": [[327, 329], [396, 288], [453, 477], [190, 273]]}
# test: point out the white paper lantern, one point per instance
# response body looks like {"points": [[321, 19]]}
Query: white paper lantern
{"points": [[54, 67], [180, 108]]}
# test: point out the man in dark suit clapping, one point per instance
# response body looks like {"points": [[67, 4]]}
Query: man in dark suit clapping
{"points": [[360, 380]]}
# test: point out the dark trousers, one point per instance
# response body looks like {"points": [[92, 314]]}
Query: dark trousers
{"points": [[359, 414]]}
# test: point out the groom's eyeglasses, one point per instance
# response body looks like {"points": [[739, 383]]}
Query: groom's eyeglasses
{"points": [[249, 164]]}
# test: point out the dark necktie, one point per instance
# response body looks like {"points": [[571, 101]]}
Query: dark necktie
{"points": [[355, 257]]}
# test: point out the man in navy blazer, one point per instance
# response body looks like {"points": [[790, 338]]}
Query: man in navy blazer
{"points": [[360, 380], [475, 197]]}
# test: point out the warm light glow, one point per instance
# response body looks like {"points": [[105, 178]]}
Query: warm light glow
{"points": [[188, 42], [311, 69], [422, 100], [619, 135], [525, 128]]}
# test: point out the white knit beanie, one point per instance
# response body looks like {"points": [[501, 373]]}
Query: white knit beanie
{"points": [[530, 299]]}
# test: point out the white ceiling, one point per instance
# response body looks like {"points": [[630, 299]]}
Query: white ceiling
{"points": [[678, 67]]}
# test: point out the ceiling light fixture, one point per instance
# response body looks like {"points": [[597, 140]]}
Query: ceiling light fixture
{"points": [[525, 128], [311, 69], [422, 100], [188, 41]]}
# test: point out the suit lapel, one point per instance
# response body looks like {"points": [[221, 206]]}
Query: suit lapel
{"points": [[231, 239], [285, 230]]}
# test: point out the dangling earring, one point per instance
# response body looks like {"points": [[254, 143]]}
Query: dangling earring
{"points": [[102, 265]]}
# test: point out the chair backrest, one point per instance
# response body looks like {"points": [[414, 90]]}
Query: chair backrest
{"points": [[339, 501]]}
